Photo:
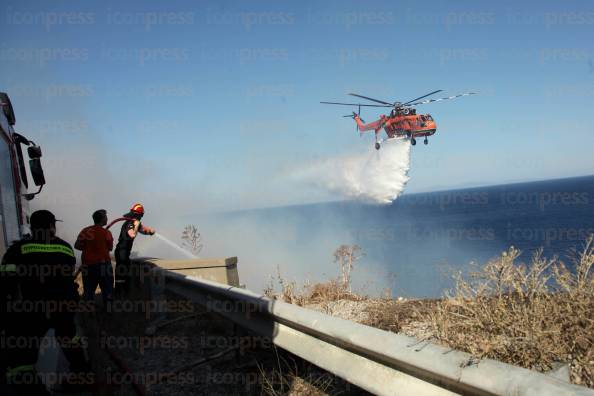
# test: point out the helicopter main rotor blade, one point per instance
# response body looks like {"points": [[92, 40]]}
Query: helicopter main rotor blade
{"points": [[373, 100], [355, 104], [421, 97], [440, 99]]}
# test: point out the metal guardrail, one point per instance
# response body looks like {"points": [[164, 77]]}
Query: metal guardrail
{"points": [[375, 360]]}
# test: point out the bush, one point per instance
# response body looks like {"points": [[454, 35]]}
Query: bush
{"points": [[335, 289], [532, 315], [321, 292]]}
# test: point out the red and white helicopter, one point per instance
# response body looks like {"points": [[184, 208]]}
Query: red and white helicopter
{"points": [[402, 122]]}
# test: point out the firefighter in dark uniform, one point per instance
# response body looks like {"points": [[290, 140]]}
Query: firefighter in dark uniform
{"points": [[39, 293], [131, 227]]}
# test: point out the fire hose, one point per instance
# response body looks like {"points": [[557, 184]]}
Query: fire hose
{"points": [[116, 220]]}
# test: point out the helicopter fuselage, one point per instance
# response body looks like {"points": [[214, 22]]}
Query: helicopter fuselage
{"points": [[411, 126]]}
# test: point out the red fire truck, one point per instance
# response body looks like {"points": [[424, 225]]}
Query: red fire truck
{"points": [[14, 177]]}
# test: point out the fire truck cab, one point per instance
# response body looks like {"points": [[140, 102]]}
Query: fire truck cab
{"points": [[14, 177]]}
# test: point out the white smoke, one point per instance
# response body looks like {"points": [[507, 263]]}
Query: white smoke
{"points": [[376, 175]]}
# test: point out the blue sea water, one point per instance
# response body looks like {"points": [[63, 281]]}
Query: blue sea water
{"points": [[414, 244]]}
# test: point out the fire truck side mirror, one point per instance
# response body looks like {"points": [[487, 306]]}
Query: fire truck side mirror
{"points": [[35, 165], [34, 152], [37, 171]]}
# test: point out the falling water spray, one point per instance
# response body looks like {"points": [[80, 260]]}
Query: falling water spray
{"points": [[377, 176]]}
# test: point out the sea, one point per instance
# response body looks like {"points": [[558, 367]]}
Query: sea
{"points": [[412, 247]]}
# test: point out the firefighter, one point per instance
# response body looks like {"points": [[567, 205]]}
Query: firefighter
{"points": [[131, 227], [43, 295]]}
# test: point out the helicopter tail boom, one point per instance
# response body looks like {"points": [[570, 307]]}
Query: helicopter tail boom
{"points": [[372, 126]]}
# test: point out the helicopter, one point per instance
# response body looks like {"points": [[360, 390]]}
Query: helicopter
{"points": [[402, 122]]}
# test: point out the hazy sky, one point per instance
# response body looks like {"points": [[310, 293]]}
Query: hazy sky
{"points": [[216, 103]]}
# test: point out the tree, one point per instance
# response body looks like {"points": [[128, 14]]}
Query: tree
{"points": [[346, 256], [192, 239]]}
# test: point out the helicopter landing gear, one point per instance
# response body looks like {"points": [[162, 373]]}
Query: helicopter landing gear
{"points": [[426, 141], [377, 146], [413, 141]]}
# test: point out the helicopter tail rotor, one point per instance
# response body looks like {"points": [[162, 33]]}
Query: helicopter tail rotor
{"points": [[356, 115]]}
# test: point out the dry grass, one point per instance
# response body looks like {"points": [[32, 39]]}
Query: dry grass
{"points": [[335, 289], [289, 375], [307, 294], [285, 379], [332, 290], [396, 316], [532, 315]]}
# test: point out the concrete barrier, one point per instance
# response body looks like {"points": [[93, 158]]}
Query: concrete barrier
{"points": [[220, 270]]}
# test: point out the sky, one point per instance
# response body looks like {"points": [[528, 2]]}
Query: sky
{"points": [[214, 105]]}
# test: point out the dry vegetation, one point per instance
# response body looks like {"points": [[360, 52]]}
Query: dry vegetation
{"points": [[289, 379], [319, 293], [407, 317], [538, 315], [192, 239], [533, 315], [307, 294]]}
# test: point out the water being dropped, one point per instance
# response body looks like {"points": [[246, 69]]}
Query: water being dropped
{"points": [[376, 175]]}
